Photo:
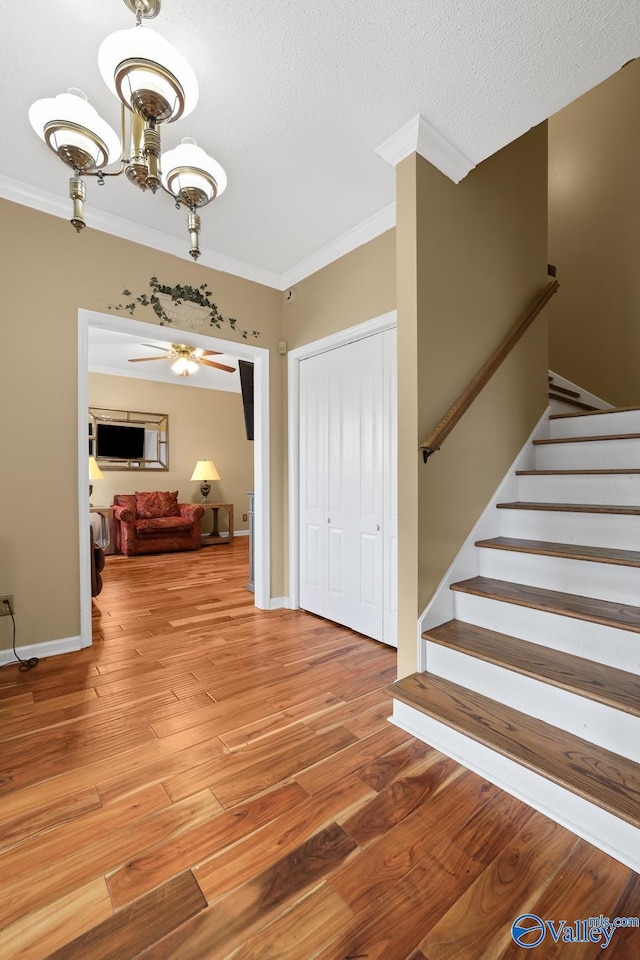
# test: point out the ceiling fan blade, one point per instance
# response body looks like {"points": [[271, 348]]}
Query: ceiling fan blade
{"points": [[218, 366], [153, 346], [211, 353], [143, 359]]}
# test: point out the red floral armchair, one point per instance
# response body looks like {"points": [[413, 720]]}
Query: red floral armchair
{"points": [[155, 523]]}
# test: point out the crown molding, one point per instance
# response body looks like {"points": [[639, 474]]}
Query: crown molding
{"points": [[370, 228], [420, 136], [57, 206]]}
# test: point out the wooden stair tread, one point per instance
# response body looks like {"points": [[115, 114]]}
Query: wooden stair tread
{"points": [[576, 473], [571, 551], [561, 416], [606, 612], [599, 776], [625, 508], [607, 436], [574, 403], [596, 681]]}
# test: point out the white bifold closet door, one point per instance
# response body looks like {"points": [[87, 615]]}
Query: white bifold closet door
{"points": [[348, 526]]}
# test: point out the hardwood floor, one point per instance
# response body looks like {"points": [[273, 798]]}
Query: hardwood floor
{"points": [[214, 781]]}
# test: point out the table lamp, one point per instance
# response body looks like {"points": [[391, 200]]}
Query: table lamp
{"points": [[95, 473], [204, 472]]}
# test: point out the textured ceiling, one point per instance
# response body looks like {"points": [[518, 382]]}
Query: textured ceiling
{"points": [[295, 97]]}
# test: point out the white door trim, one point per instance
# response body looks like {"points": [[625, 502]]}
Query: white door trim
{"points": [[387, 321], [259, 356]]}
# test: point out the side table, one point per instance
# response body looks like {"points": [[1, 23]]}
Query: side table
{"points": [[107, 525], [209, 539]]}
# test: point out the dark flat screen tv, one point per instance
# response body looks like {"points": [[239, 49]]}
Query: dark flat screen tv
{"points": [[246, 385], [116, 442]]}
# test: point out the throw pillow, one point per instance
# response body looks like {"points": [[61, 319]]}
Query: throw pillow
{"points": [[158, 503]]}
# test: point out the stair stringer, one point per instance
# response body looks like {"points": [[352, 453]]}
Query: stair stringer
{"points": [[587, 820], [465, 565], [557, 406]]}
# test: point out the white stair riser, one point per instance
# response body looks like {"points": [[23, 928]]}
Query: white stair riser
{"points": [[593, 641], [616, 837], [609, 728], [592, 529], [606, 581], [618, 488], [626, 421], [588, 455]]}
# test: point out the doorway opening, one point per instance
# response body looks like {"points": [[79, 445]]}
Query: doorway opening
{"points": [[259, 356]]}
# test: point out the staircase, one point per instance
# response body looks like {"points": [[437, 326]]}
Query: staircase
{"points": [[534, 682]]}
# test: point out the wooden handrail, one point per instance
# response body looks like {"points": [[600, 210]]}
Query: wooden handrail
{"points": [[456, 411]]}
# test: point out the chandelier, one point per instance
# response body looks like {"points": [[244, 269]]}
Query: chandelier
{"points": [[155, 84]]}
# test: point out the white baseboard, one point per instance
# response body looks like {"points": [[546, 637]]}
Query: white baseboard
{"points": [[279, 603], [50, 648], [614, 836], [241, 533]]}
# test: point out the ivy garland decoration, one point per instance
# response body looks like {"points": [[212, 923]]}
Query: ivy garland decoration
{"points": [[179, 294]]}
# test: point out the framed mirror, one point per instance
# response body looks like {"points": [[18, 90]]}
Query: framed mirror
{"points": [[129, 439]]}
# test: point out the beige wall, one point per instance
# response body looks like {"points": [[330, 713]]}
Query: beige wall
{"points": [[203, 425], [478, 253], [357, 287], [594, 238], [47, 272]]}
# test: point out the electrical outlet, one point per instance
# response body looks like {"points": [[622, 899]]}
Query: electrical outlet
{"points": [[6, 604], [244, 517]]}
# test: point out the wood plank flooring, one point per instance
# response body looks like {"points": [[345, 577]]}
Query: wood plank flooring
{"points": [[213, 781]]}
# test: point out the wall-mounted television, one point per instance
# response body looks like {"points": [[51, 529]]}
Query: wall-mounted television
{"points": [[117, 442], [246, 385]]}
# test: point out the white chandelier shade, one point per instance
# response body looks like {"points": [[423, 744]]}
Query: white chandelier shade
{"points": [[187, 171], [129, 61], [71, 127]]}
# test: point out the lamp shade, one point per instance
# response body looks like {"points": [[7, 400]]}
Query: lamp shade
{"points": [[205, 470], [150, 76], [95, 473], [191, 174], [74, 130]]}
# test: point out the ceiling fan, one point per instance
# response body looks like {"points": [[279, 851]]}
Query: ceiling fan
{"points": [[185, 359]]}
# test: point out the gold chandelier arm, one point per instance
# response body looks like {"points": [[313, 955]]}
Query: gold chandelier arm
{"points": [[100, 174], [170, 194]]}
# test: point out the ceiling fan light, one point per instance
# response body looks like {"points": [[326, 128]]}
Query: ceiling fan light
{"points": [[74, 130], [190, 174], [148, 74], [183, 367]]}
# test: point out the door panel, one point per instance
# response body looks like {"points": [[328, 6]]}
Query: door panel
{"points": [[313, 419], [365, 363], [343, 443]]}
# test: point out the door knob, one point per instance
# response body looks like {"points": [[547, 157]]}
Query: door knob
{"points": [[328, 519], [377, 527]]}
